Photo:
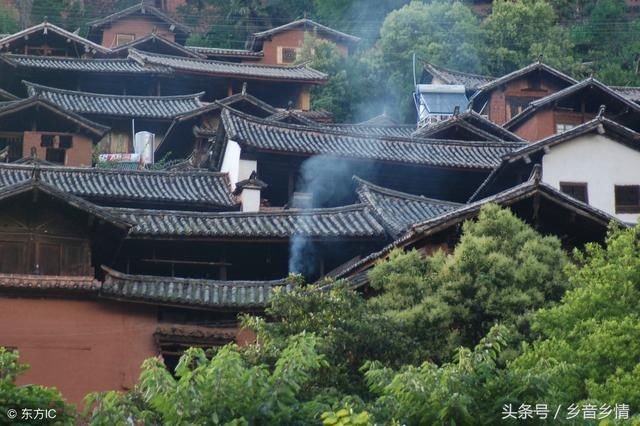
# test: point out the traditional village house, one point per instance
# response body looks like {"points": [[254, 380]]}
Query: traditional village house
{"points": [[572, 106], [429, 225], [136, 22], [503, 98], [37, 128], [282, 45], [595, 163]]}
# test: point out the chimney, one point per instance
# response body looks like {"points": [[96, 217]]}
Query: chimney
{"points": [[249, 192]]}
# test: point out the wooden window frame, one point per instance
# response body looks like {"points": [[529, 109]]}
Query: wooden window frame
{"points": [[281, 54], [118, 35], [627, 208], [565, 189]]}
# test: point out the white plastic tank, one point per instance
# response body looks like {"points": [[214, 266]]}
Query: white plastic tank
{"points": [[145, 145]]}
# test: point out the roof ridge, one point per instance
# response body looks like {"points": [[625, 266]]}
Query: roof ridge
{"points": [[330, 130], [399, 194], [142, 5], [439, 67], [96, 170], [297, 22], [47, 24], [261, 213], [225, 63], [124, 275], [112, 96], [567, 91]]}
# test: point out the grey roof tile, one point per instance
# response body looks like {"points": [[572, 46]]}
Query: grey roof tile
{"points": [[266, 135], [161, 107], [189, 291], [108, 66], [448, 76], [197, 189], [220, 68], [398, 210], [355, 221]]}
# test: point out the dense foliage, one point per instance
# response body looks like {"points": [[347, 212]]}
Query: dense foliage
{"points": [[28, 398], [329, 356]]}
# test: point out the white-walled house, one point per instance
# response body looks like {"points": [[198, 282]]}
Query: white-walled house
{"points": [[597, 162]]}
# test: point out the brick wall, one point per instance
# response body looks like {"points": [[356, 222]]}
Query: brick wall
{"points": [[79, 155]]}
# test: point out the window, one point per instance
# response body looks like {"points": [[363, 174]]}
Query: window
{"points": [[517, 104], [57, 146], [563, 127], [577, 190], [287, 55], [12, 141], [124, 39], [627, 198]]}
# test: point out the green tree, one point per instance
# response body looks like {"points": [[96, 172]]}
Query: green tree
{"points": [[8, 22], [221, 389], [442, 32], [501, 271], [596, 329], [14, 397], [609, 40], [518, 32]]}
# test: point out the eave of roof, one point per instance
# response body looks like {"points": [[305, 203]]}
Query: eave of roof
{"points": [[548, 100], [307, 23], [299, 73], [470, 81], [536, 66], [142, 8], [399, 210], [159, 107], [34, 184], [188, 291], [157, 38], [507, 197], [195, 188], [7, 96], [598, 124], [47, 26], [96, 129], [304, 140], [89, 65], [348, 222], [232, 53], [471, 121]]}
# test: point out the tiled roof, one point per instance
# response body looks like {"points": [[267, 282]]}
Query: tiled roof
{"points": [[448, 76], [381, 125], [569, 91], [6, 96], [188, 291], [610, 127], [142, 8], [530, 188], [46, 28], [102, 66], [399, 210], [155, 40], [48, 282], [287, 138], [162, 107], [472, 122], [307, 23], [216, 51], [536, 66], [79, 122], [196, 189], [631, 93], [291, 117], [220, 68], [355, 221]]}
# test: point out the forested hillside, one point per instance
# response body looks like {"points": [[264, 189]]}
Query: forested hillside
{"points": [[580, 37]]}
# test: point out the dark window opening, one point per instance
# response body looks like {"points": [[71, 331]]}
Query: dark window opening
{"points": [[56, 155], [577, 190], [627, 198], [289, 55], [14, 143], [517, 104]]}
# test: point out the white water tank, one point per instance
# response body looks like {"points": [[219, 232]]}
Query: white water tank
{"points": [[145, 145]]}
